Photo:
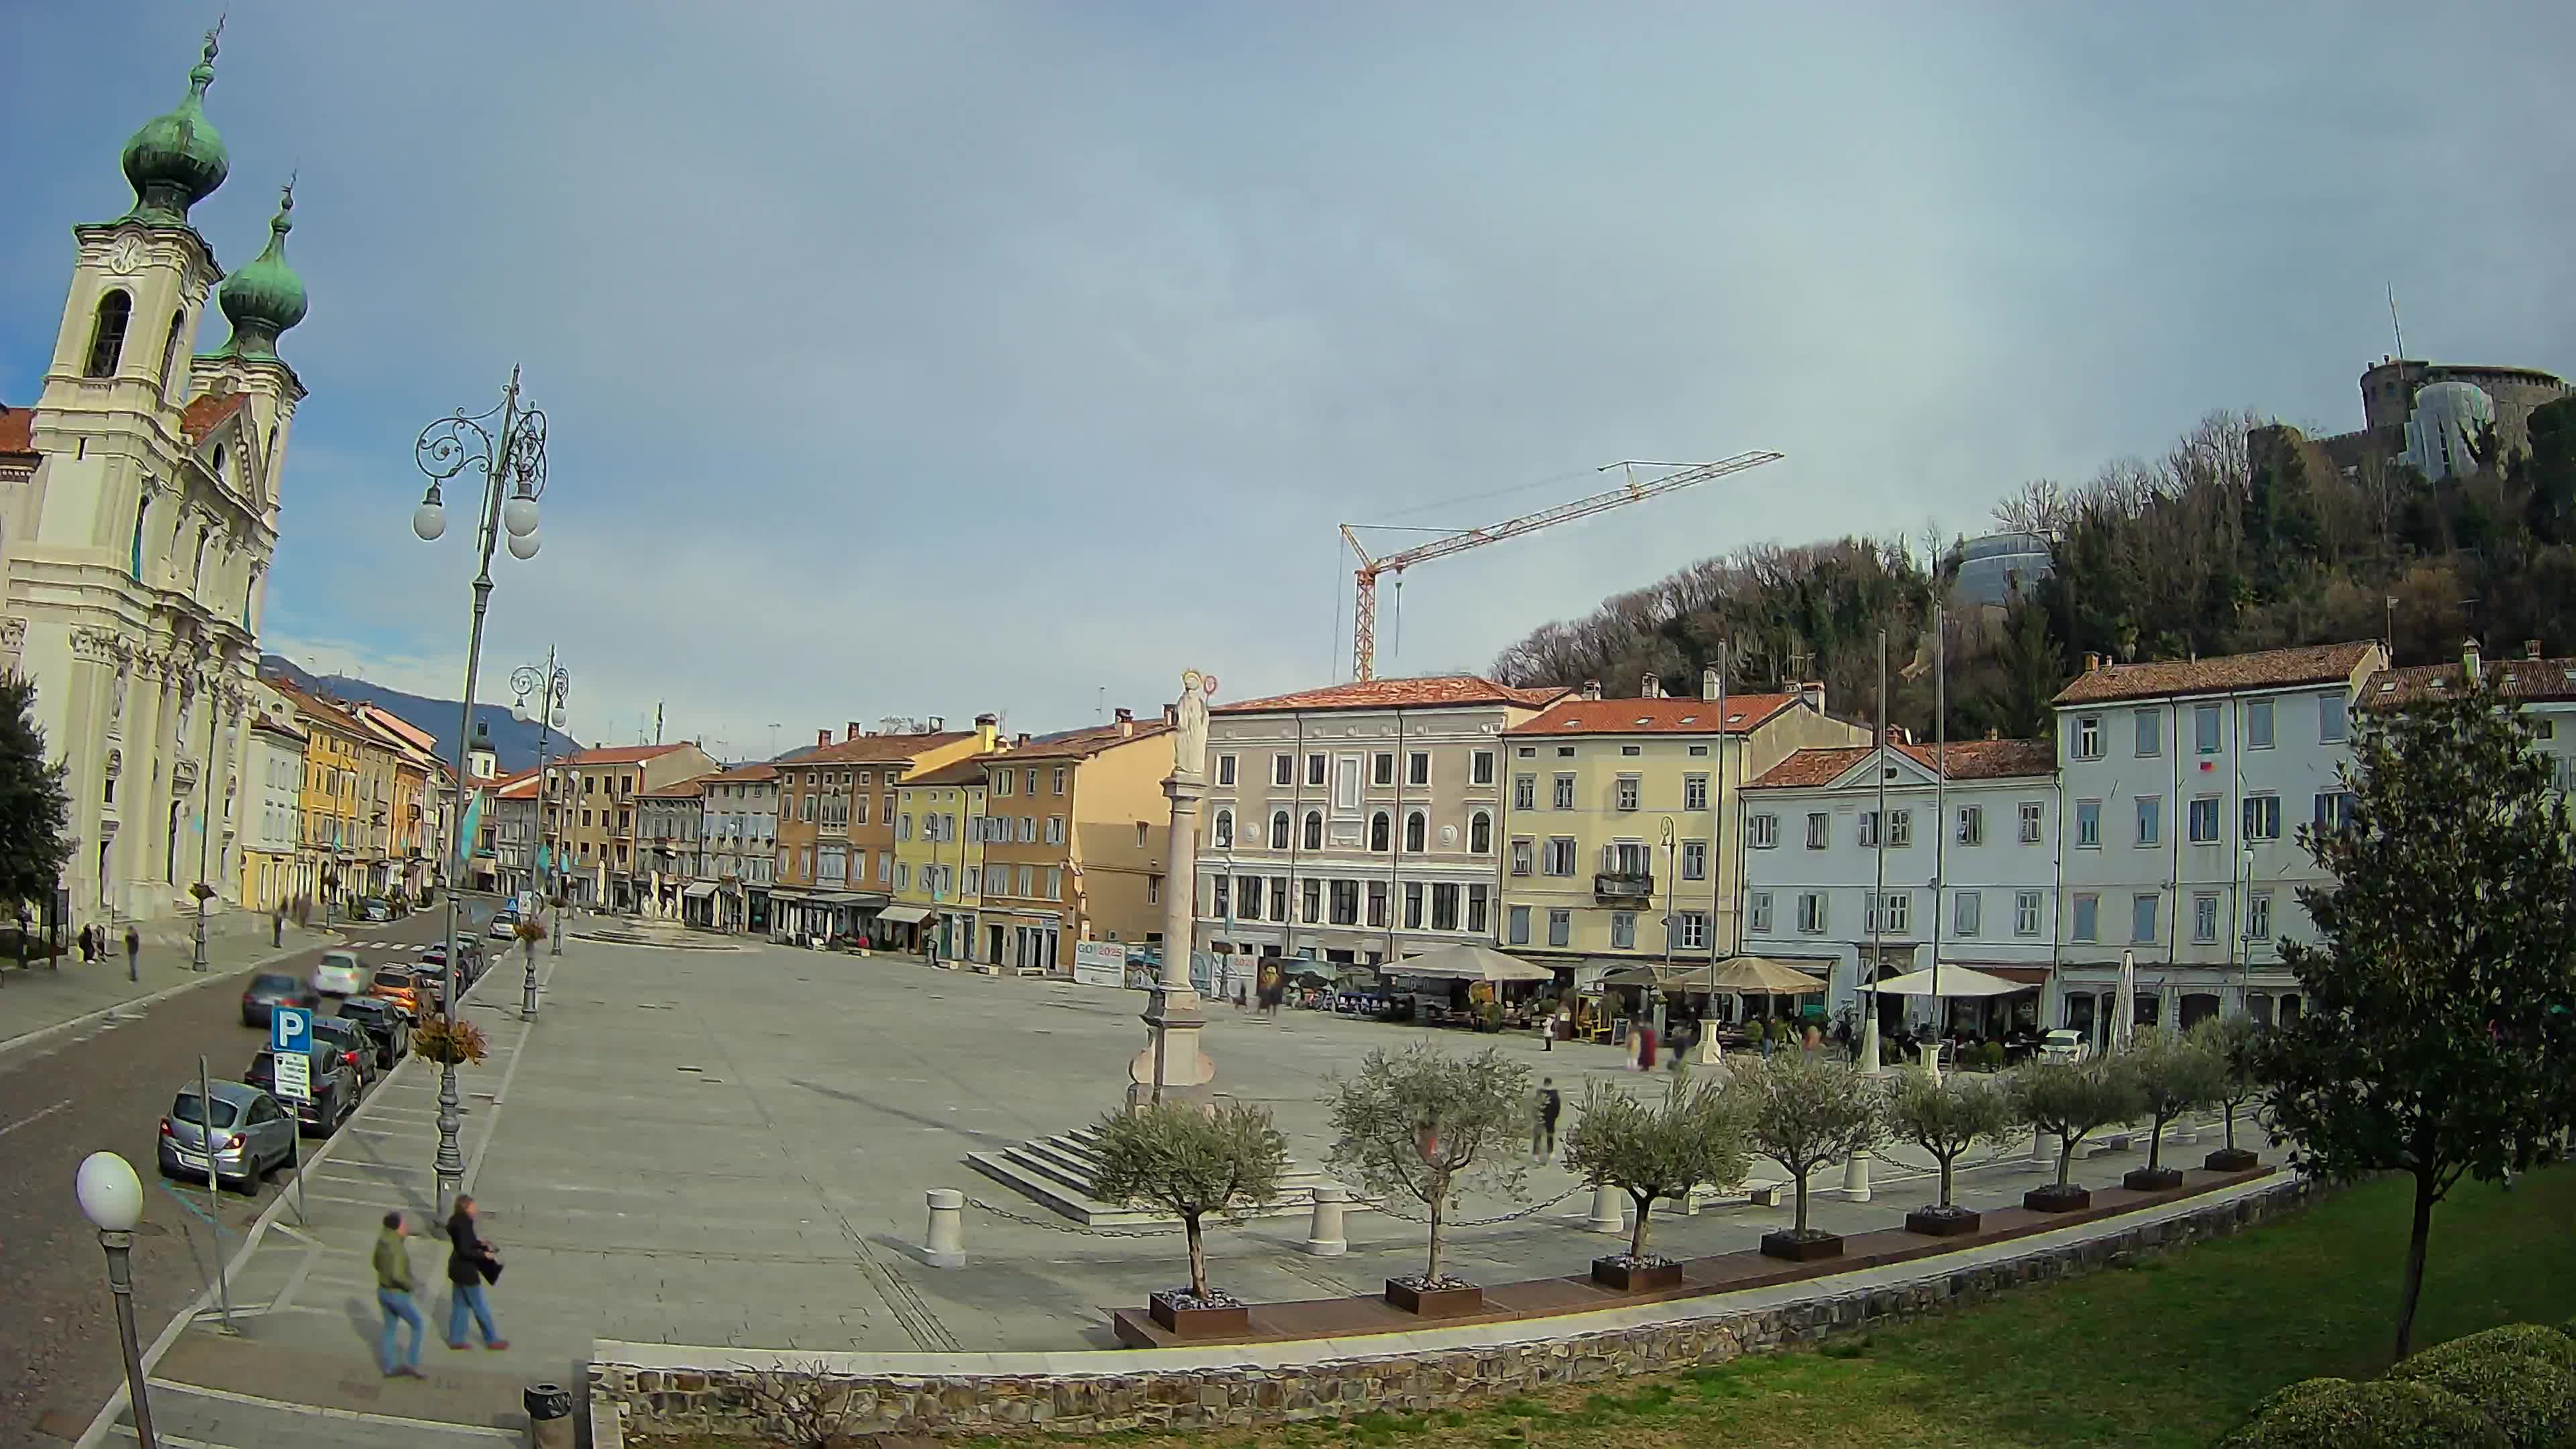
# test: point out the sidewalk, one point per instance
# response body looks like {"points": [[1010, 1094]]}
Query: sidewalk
{"points": [[45, 1001]]}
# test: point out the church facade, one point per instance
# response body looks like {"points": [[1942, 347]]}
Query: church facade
{"points": [[136, 545]]}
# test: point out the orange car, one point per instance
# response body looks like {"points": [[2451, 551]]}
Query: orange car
{"points": [[398, 985]]}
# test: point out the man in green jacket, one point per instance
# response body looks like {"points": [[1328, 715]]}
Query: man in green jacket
{"points": [[393, 1294]]}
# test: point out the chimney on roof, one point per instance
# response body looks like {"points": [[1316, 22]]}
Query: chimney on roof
{"points": [[850, 731], [938, 723], [1126, 723], [822, 737], [1651, 688], [1022, 741], [2092, 662], [2530, 648], [1993, 734], [2469, 661], [1592, 689], [1709, 688], [1172, 715], [988, 731], [1814, 694]]}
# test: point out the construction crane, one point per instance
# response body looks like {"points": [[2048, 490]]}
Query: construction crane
{"points": [[1364, 614]]}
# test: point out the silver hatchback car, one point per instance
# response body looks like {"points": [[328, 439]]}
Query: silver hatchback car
{"points": [[251, 1135]]}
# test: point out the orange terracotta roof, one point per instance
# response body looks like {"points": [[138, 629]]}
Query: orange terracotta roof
{"points": [[208, 411], [1968, 760], [17, 429], [2267, 669], [1654, 716], [968, 771], [878, 749], [1428, 692], [278, 727], [621, 755], [2527, 679], [695, 785], [1087, 743], [324, 711]]}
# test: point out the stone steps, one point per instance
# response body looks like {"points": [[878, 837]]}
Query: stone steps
{"points": [[1057, 1173]]}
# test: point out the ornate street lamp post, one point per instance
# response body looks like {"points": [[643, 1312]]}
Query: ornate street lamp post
{"points": [[111, 1197], [510, 453], [555, 685]]}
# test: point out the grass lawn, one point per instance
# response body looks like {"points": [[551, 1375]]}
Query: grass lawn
{"points": [[2173, 1351]]}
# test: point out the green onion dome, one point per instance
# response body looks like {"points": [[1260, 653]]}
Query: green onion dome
{"points": [[177, 160], [264, 297]]}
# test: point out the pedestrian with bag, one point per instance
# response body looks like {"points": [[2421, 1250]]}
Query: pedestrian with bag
{"points": [[394, 1290], [471, 1263], [133, 954]]}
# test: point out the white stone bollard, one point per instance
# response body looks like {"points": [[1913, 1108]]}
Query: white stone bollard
{"points": [[1609, 1211], [1324, 1234], [945, 1247], [1856, 1177], [2184, 1132], [2043, 1154]]}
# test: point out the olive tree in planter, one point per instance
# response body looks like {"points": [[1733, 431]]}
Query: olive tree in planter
{"points": [[2172, 1078], [2233, 1040], [1427, 1125], [1695, 1137], [1946, 1116], [1191, 1162], [2074, 1100], [1803, 1111]]}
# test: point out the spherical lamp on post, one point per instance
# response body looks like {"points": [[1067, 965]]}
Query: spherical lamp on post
{"points": [[507, 446], [111, 1197]]}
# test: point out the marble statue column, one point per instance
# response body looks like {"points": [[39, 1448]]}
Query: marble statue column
{"points": [[1171, 1065]]}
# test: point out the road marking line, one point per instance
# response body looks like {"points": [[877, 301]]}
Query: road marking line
{"points": [[175, 1441], [30, 1121], [325, 1411]]}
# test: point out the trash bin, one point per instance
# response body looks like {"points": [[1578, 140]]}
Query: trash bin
{"points": [[549, 1416]]}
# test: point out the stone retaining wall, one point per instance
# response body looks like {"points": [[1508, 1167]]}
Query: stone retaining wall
{"points": [[714, 1398]]}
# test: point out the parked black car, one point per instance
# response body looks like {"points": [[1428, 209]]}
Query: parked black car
{"points": [[335, 1089], [352, 1042], [385, 1023], [270, 990]]}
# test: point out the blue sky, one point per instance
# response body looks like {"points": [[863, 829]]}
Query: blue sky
{"points": [[934, 359]]}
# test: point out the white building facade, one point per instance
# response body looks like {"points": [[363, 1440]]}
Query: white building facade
{"points": [[2185, 783], [1969, 869], [137, 549], [741, 830], [1342, 823], [274, 817]]}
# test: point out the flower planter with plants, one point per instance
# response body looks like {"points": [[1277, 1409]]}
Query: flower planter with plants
{"points": [[1697, 1135], [1186, 1313], [1947, 1116], [1426, 1125]]}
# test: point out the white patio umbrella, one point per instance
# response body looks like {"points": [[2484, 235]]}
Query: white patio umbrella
{"points": [[1955, 981], [1467, 963], [2124, 1005]]}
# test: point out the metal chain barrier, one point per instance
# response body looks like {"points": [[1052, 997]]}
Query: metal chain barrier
{"points": [[1076, 1228], [1531, 1211]]}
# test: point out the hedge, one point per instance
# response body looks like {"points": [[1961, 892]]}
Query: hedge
{"points": [[2531, 1399], [2381, 1414]]}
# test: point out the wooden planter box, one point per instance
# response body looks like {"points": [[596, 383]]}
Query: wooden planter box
{"points": [[2231, 1159], [1937, 1223], [2055, 1199], [1621, 1276], [1815, 1248], [1435, 1302], [1197, 1322], [2151, 1179]]}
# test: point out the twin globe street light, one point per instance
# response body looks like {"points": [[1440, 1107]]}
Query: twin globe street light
{"points": [[511, 456]]}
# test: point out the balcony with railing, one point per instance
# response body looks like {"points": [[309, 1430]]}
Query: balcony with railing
{"points": [[1623, 885]]}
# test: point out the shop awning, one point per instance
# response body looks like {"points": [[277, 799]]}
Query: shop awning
{"points": [[903, 915], [698, 890]]}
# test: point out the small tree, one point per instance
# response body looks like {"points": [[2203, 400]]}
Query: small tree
{"points": [[1803, 1112], [2437, 1041], [1429, 1125], [2234, 1042], [1696, 1136], [1190, 1162], [2074, 1100], [34, 808], [2172, 1077], [1946, 1116]]}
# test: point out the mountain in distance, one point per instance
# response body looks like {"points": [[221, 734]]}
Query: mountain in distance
{"points": [[514, 740]]}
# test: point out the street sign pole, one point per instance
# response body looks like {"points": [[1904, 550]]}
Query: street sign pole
{"points": [[214, 1189]]}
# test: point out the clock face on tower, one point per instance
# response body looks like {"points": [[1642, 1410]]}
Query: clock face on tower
{"points": [[126, 257]]}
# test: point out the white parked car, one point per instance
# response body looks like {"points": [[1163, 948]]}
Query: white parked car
{"points": [[339, 974], [2064, 1045]]}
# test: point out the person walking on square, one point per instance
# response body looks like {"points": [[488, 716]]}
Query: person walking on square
{"points": [[277, 926], [470, 1261], [394, 1290], [1543, 1130], [133, 954]]}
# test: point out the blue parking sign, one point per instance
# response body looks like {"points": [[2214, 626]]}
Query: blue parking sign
{"points": [[290, 1031]]}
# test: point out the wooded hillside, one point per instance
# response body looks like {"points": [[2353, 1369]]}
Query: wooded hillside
{"points": [[2242, 536]]}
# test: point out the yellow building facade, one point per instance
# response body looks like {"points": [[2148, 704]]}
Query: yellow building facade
{"points": [[939, 860], [332, 842], [1622, 831]]}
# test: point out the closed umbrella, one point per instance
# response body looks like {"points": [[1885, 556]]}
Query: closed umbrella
{"points": [[2124, 1005]]}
